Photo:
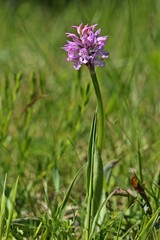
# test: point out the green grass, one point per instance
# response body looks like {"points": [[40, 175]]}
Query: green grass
{"points": [[46, 110]]}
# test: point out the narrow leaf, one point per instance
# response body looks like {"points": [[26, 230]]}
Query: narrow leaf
{"points": [[147, 230], [3, 208], [11, 210], [66, 197]]}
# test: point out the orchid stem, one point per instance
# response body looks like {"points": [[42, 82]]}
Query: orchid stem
{"points": [[100, 124]]}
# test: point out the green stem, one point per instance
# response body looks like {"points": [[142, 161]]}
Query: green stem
{"points": [[100, 124], [95, 165]]}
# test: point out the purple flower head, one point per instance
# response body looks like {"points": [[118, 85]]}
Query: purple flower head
{"points": [[87, 47]]}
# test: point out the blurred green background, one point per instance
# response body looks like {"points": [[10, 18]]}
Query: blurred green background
{"points": [[45, 105]]}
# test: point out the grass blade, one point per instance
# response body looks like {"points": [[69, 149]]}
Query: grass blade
{"points": [[66, 197], [3, 208], [11, 208], [147, 230]]}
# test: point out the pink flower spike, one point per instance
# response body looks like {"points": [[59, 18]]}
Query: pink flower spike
{"points": [[87, 47]]}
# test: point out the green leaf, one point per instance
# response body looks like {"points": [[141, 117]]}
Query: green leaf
{"points": [[11, 208], [3, 208], [147, 230], [66, 197]]}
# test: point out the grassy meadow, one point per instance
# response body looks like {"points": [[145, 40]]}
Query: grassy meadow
{"points": [[46, 112]]}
